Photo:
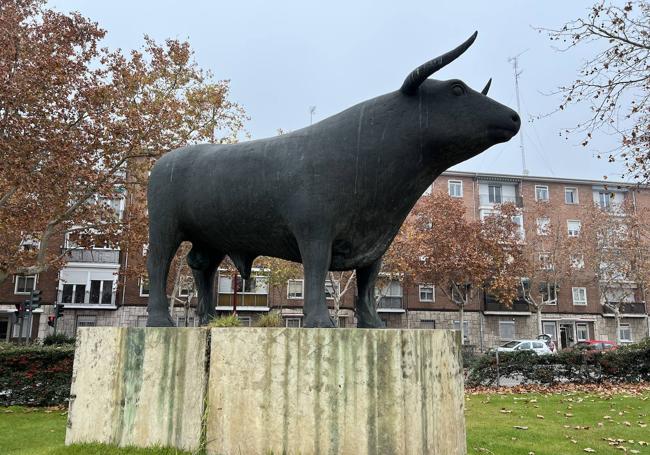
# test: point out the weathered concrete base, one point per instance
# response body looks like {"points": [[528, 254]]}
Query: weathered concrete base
{"points": [[281, 391], [136, 386]]}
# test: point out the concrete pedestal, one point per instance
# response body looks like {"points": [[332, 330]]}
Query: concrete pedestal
{"points": [[140, 387], [281, 391]]}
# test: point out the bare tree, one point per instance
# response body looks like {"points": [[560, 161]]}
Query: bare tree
{"points": [[617, 239], [615, 82]]}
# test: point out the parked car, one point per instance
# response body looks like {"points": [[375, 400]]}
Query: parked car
{"points": [[595, 345], [539, 347]]}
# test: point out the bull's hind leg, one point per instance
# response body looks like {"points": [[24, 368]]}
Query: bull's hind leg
{"points": [[162, 247], [367, 316], [316, 256], [204, 263]]}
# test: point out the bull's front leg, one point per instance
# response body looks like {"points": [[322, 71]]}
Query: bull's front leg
{"points": [[367, 316], [316, 256]]}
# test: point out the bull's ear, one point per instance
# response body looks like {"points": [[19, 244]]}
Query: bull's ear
{"points": [[422, 72]]}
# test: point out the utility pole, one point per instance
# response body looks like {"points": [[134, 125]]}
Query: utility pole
{"points": [[312, 111], [515, 65]]}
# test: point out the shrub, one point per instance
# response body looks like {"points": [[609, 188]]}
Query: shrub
{"points": [[35, 375], [270, 320], [58, 339], [627, 364], [225, 321]]}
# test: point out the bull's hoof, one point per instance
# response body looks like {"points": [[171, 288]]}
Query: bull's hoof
{"points": [[324, 322], [160, 320], [371, 324]]}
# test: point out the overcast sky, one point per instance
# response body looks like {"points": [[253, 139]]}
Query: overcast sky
{"points": [[284, 56]]}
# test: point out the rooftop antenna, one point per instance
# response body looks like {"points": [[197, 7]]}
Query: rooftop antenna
{"points": [[312, 111], [515, 65]]}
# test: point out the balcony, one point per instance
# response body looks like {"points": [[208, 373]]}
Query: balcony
{"points": [[94, 255], [493, 306], [485, 200], [390, 304], [256, 302], [627, 308]]}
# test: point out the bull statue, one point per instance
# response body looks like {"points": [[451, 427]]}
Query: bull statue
{"points": [[331, 196]]}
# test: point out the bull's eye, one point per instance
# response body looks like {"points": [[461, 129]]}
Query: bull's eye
{"points": [[458, 89]]}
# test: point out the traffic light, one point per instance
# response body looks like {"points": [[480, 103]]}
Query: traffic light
{"points": [[58, 310], [51, 319], [35, 299]]}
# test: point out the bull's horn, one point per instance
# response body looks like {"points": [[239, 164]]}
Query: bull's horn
{"points": [[422, 72], [487, 87]]}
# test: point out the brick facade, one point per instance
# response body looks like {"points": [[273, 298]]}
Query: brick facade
{"points": [[411, 309]]}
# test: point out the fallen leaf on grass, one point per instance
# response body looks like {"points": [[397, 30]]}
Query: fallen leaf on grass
{"points": [[519, 427], [589, 449]]}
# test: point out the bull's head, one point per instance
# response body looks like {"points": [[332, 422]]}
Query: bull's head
{"points": [[458, 121]]}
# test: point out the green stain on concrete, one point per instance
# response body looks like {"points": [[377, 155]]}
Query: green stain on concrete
{"points": [[371, 397], [133, 352]]}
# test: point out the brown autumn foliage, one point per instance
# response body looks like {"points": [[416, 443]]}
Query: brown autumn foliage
{"points": [[440, 245], [81, 125]]}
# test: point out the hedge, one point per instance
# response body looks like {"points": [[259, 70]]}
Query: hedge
{"points": [[35, 375], [629, 363]]}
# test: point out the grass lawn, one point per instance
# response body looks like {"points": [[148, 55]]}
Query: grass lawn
{"points": [[558, 424], [549, 424]]}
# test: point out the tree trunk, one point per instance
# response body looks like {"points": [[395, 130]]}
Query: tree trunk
{"points": [[617, 318], [539, 319]]}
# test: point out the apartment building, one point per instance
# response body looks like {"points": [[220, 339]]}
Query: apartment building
{"points": [[95, 294]]}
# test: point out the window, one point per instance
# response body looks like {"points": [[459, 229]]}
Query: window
{"points": [[494, 194], [73, 293], [545, 262], [579, 296], [144, 286], [332, 289], [427, 293], [605, 200], [507, 330], [570, 195], [543, 225], [86, 287], [519, 221], [255, 285], [548, 292], [25, 284], [541, 193], [550, 328], [342, 321], [185, 286], [295, 289], [25, 333], [427, 324], [293, 322], [577, 261], [573, 227], [245, 321], [86, 321], [455, 188], [101, 292], [390, 295], [625, 334], [582, 332]]}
